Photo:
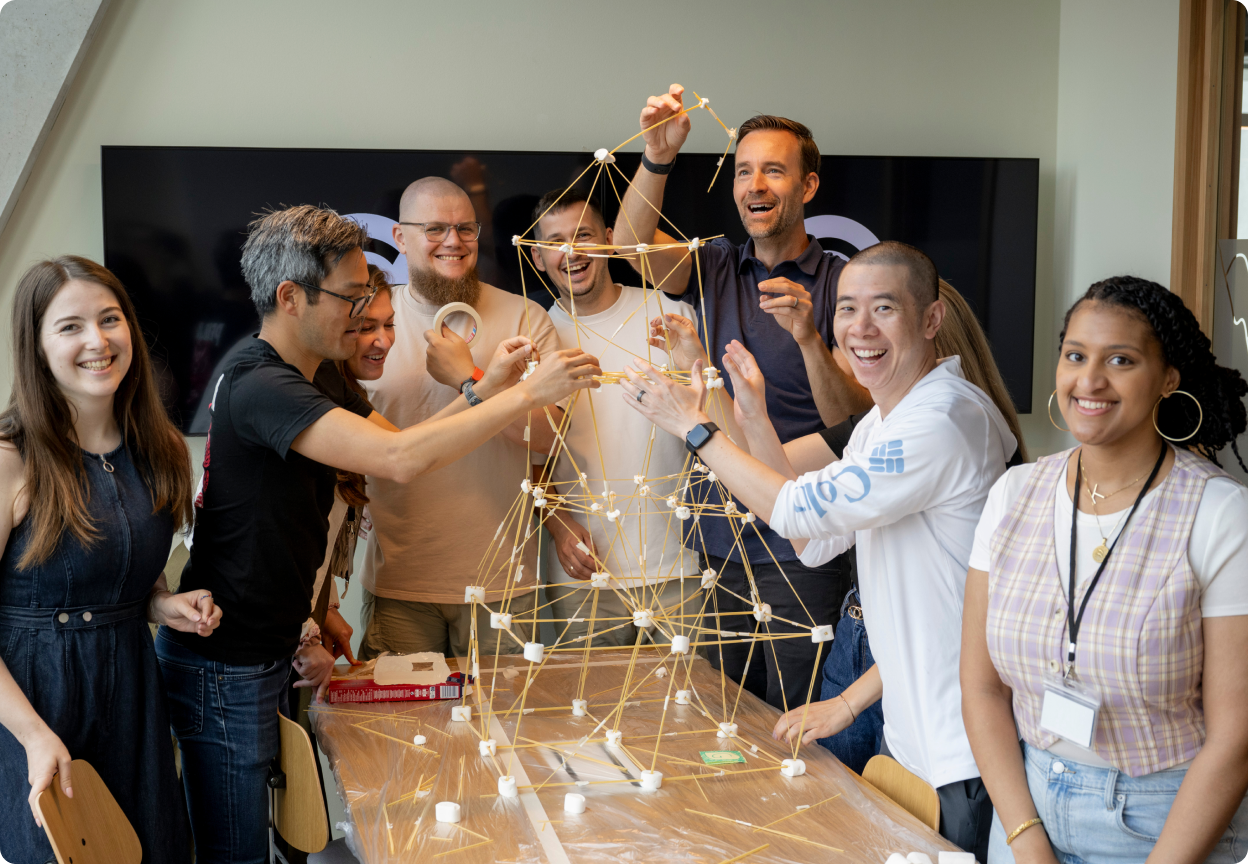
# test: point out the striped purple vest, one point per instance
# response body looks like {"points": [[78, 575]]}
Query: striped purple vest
{"points": [[1140, 643]]}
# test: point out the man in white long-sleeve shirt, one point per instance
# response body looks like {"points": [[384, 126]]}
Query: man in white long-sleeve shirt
{"points": [[908, 493]]}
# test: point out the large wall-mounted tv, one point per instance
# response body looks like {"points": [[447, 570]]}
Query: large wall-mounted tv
{"points": [[175, 217]]}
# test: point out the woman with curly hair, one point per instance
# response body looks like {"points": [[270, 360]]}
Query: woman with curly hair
{"points": [[1106, 610], [94, 480]]}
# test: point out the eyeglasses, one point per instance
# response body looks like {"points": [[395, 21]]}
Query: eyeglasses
{"points": [[437, 231], [358, 304]]}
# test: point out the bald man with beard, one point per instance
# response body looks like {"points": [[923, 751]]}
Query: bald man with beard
{"points": [[431, 535]]}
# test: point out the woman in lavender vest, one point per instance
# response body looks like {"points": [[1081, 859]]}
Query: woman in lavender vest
{"points": [[1129, 687]]}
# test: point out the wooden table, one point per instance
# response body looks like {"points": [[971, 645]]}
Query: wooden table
{"points": [[702, 813]]}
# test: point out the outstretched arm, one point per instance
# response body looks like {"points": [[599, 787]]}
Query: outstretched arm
{"points": [[639, 212]]}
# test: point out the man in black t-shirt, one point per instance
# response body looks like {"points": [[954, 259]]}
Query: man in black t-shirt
{"points": [[283, 421]]}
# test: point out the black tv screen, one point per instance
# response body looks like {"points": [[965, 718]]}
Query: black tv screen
{"points": [[175, 221]]}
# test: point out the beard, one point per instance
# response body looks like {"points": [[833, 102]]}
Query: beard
{"points": [[438, 290], [789, 211]]}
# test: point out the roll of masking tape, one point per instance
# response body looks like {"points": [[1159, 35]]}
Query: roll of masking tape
{"points": [[450, 309]]}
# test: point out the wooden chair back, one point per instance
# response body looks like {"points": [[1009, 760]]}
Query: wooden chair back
{"points": [[907, 790], [299, 809], [90, 827]]}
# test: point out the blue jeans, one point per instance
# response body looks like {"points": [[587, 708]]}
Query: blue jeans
{"points": [[849, 658], [1097, 815], [225, 719]]}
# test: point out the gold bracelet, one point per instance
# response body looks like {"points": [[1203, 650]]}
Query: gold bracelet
{"points": [[1021, 828], [851, 710]]}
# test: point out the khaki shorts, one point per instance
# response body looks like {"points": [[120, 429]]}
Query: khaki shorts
{"points": [[409, 627]]}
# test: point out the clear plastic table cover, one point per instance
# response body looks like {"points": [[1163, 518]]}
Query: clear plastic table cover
{"points": [[745, 812]]}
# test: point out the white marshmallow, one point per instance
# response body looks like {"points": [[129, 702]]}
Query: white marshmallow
{"points": [[507, 786], [526, 486], [599, 580], [580, 707], [612, 515], [638, 479], [955, 858], [747, 517], [683, 513], [642, 247], [651, 780], [680, 644], [500, 620], [896, 858], [601, 154], [488, 747], [712, 476], [694, 244], [730, 507], [446, 811], [919, 858], [822, 633], [474, 594], [682, 697], [419, 740], [792, 767], [614, 737], [461, 712], [643, 491], [595, 507], [539, 502], [708, 577], [727, 730], [762, 612], [643, 618], [574, 802], [671, 502], [534, 651]]}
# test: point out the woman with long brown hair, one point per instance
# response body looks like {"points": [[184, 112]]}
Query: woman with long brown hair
{"points": [[94, 480]]}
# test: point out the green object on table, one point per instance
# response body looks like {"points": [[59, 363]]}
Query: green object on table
{"points": [[721, 757]]}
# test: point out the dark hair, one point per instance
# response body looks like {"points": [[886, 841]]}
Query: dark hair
{"points": [[39, 423], [810, 150], [1219, 390], [350, 484], [923, 283], [301, 244], [558, 200]]}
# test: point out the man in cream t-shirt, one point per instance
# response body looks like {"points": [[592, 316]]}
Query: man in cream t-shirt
{"points": [[604, 434], [431, 537]]}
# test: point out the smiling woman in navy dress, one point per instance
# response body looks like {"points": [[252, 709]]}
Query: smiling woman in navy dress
{"points": [[94, 480]]}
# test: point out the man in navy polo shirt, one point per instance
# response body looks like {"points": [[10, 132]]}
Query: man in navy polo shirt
{"points": [[776, 295]]}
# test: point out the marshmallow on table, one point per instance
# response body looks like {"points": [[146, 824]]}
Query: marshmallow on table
{"points": [[682, 697], [726, 730], [461, 712], [574, 802], [643, 618], [651, 780], [489, 747], [419, 740], [896, 858], [580, 707], [793, 768], [533, 651], [507, 786], [614, 737], [680, 644], [500, 620], [446, 811]]}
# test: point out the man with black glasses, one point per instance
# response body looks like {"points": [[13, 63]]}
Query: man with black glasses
{"points": [[283, 424], [430, 536]]}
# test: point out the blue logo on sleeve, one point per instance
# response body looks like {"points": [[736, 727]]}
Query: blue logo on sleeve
{"points": [[886, 458], [825, 491]]}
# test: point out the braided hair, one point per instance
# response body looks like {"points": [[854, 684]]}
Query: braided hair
{"points": [[1219, 390]]}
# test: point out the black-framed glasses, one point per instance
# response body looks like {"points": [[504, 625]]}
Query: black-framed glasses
{"points": [[358, 304], [437, 231]]}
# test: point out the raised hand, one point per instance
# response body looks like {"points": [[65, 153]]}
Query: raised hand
{"points": [[790, 304], [448, 358], [562, 373], [506, 366], [814, 721], [674, 408], [748, 386], [682, 336], [664, 142], [566, 533]]}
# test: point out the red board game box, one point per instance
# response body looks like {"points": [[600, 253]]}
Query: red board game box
{"points": [[367, 690]]}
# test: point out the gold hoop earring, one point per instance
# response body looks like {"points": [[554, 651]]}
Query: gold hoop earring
{"points": [[1199, 420], [1051, 420]]}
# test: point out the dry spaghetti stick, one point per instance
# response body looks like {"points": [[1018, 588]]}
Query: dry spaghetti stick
{"points": [[461, 849], [768, 830], [470, 831], [745, 855], [800, 812]]}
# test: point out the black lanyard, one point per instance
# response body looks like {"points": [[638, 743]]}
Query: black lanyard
{"points": [[1072, 620]]}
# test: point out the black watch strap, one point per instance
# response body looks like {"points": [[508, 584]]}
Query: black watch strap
{"points": [[699, 435], [470, 394], [655, 168]]}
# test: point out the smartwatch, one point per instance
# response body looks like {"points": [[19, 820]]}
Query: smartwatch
{"points": [[699, 435], [656, 168], [472, 397]]}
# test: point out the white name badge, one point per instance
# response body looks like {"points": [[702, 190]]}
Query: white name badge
{"points": [[1069, 711]]}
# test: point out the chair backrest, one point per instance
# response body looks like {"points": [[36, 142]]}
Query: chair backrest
{"points": [[907, 790], [299, 809], [90, 827]]}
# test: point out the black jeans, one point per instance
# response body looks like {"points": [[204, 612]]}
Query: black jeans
{"points": [[780, 671]]}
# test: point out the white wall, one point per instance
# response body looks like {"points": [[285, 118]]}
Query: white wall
{"points": [[1117, 83]]}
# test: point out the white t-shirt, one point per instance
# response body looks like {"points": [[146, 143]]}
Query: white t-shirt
{"points": [[623, 437], [908, 493], [1217, 552]]}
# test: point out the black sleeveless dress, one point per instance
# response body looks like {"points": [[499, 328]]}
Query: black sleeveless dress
{"points": [[74, 635]]}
